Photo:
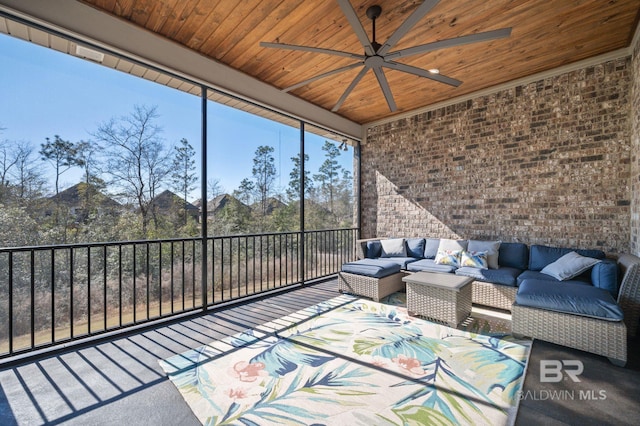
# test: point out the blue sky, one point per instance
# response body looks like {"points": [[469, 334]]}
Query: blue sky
{"points": [[46, 93]]}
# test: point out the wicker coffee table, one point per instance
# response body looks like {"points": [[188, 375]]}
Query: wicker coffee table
{"points": [[440, 297]]}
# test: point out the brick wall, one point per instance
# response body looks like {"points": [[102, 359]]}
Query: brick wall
{"points": [[546, 163], [635, 146]]}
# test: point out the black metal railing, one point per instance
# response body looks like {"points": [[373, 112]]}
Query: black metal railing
{"points": [[55, 294]]}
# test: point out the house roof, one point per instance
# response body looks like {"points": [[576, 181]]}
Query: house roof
{"points": [[168, 199], [271, 204], [218, 203], [74, 196], [221, 201]]}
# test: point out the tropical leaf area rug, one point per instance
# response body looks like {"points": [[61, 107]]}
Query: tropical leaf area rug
{"points": [[351, 361]]}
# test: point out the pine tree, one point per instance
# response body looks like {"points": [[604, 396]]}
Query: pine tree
{"points": [[184, 175], [293, 192], [62, 155], [264, 175], [329, 174]]}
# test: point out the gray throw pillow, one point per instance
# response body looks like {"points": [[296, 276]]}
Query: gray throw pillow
{"points": [[447, 244], [568, 266], [393, 247], [492, 248]]}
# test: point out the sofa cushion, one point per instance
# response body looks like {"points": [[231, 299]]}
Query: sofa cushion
{"points": [[514, 255], [538, 275], [374, 249], [376, 268], [431, 248], [429, 265], [492, 248], [474, 259], [605, 275], [568, 266], [393, 247], [415, 247], [569, 298], [540, 256], [503, 276], [402, 261], [449, 257]]}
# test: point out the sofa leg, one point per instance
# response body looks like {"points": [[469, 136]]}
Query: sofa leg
{"points": [[617, 362], [519, 336]]}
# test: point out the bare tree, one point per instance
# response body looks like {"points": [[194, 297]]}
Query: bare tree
{"points": [[136, 159], [214, 188], [8, 160], [27, 177], [87, 154]]}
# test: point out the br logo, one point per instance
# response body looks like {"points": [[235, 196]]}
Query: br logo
{"points": [[551, 370]]}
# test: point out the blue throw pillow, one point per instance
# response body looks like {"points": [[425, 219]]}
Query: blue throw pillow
{"points": [[415, 247], [374, 249], [605, 275], [514, 255], [431, 248]]}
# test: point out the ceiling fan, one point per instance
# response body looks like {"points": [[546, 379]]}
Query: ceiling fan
{"points": [[377, 56]]}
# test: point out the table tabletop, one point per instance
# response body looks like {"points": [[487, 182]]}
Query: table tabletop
{"points": [[438, 279]]}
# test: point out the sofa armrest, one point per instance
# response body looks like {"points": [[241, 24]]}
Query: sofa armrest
{"points": [[629, 297], [604, 275]]}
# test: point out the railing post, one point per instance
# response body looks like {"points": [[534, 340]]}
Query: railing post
{"points": [[10, 260], [301, 255], [203, 196]]}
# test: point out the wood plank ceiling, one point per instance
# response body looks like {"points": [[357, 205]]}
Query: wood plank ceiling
{"points": [[545, 34]]}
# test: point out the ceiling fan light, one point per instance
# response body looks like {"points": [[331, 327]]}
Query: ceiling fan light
{"points": [[434, 71]]}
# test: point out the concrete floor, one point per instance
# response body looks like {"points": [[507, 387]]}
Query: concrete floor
{"points": [[119, 381]]}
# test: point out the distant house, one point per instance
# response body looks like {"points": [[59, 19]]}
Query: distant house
{"points": [[219, 203], [81, 200], [272, 205], [168, 202]]}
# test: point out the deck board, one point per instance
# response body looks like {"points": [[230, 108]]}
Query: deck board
{"points": [[119, 381]]}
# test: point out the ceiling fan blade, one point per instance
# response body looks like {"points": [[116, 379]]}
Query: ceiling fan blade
{"points": [[403, 29], [422, 73], [451, 42], [352, 17], [318, 77], [350, 88], [311, 49], [384, 85]]}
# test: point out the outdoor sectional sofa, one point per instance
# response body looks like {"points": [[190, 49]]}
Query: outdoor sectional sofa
{"points": [[509, 264], [570, 297]]}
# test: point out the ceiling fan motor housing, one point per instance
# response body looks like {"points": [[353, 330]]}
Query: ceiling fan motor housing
{"points": [[374, 12]]}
